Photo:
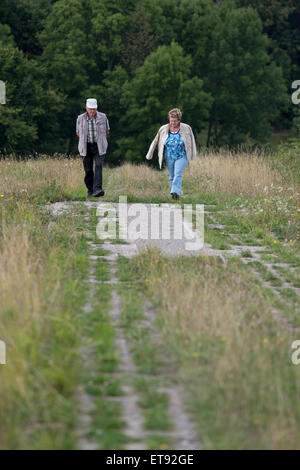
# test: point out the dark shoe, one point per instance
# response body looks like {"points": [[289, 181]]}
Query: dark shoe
{"points": [[176, 196], [98, 193], [90, 193], [172, 194]]}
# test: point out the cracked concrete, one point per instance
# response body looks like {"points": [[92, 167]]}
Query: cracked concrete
{"points": [[184, 433], [256, 256]]}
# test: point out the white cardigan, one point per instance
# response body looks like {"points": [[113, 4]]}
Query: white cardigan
{"points": [[161, 137]]}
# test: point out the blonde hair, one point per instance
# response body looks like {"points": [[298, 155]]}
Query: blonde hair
{"points": [[175, 113]]}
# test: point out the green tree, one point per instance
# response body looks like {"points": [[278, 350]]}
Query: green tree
{"points": [[69, 59], [5, 35], [275, 16], [109, 94], [29, 113], [163, 82], [281, 19], [110, 20], [142, 35], [247, 86], [193, 23], [82, 40], [25, 19]]}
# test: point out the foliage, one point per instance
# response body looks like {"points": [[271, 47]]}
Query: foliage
{"points": [[28, 101], [237, 58], [162, 83]]}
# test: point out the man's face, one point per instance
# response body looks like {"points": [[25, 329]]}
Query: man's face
{"points": [[91, 112]]}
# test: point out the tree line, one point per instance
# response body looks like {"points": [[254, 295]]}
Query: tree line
{"points": [[228, 64]]}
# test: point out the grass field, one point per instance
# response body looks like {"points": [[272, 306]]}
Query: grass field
{"points": [[218, 323]]}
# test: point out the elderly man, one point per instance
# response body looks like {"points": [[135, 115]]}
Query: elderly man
{"points": [[92, 128]]}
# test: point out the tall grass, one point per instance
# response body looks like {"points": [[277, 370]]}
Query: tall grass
{"points": [[223, 172], [137, 181], [234, 358], [230, 173], [45, 178], [40, 293]]}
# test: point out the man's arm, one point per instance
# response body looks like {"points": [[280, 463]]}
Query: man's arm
{"points": [[77, 128], [107, 126]]}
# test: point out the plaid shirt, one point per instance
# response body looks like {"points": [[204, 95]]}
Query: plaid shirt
{"points": [[101, 129], [91, 137], [92, 134]]}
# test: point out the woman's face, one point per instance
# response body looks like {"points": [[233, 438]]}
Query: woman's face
{"points": [[174, 122]]}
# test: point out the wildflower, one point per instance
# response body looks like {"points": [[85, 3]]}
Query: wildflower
{"points": [[163, 446], [275, 241], [266, 340], [256, 421], [2, 195], [146, 280]]}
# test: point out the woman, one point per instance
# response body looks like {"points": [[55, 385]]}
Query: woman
{"points": [[176, 143]]}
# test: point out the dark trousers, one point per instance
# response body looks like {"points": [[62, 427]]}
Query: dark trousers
{"points": [[93, 181]]}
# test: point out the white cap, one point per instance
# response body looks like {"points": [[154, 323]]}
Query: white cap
{"points": [[91, 103]]}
